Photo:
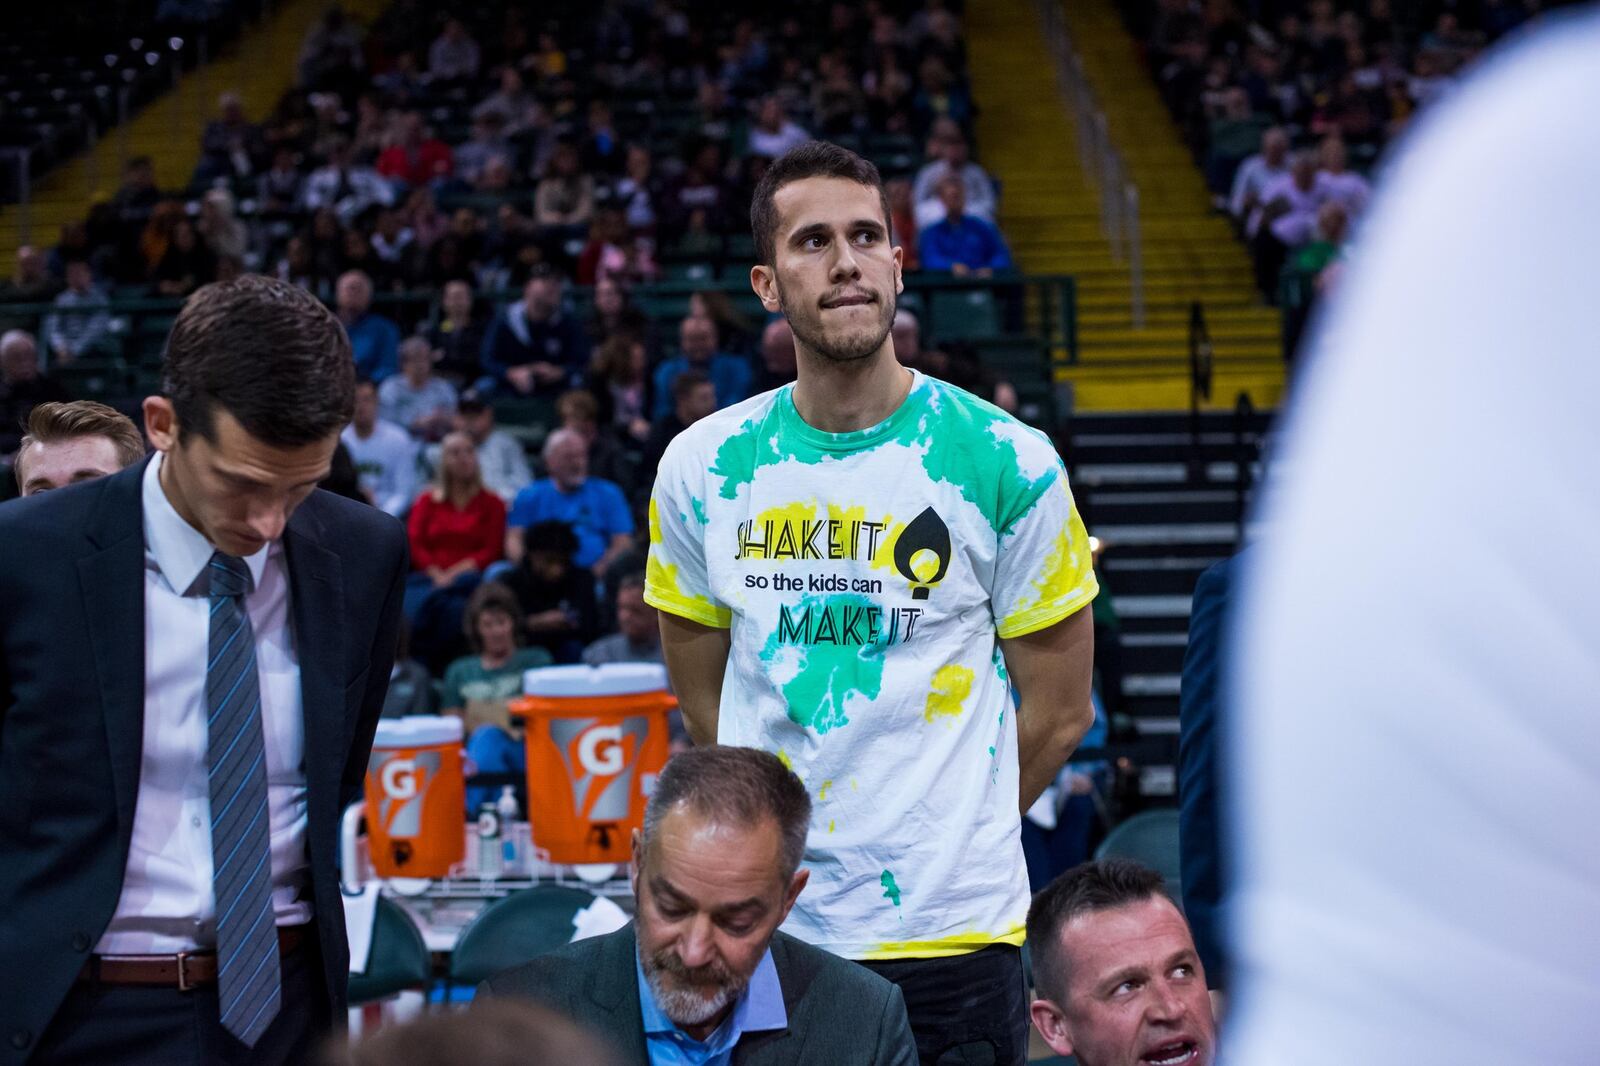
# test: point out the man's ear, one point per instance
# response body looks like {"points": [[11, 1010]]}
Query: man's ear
{"points": [[160, 423], [899, 270], [1051, 1022], [764, 280], [796, 884]]}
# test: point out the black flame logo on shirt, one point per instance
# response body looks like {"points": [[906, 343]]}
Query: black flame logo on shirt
{"points": [[927, 532]]}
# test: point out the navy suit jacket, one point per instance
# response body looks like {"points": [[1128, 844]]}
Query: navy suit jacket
{"points": [[1201, 714], [72, 656]]}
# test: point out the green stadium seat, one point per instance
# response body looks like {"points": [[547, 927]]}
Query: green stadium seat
{"points": [[399, 959], [511, 931]]}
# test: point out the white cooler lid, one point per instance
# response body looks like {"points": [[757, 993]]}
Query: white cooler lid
{"points": [[611, 679], [418, 730]]}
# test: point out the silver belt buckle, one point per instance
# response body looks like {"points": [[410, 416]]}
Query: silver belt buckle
{"points": [[184, 984]]}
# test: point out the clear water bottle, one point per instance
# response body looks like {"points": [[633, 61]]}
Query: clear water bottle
{"points": [[489, 854], [506, 807]]}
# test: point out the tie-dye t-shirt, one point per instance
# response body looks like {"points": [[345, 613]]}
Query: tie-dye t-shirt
{"points": [[866, 578]]}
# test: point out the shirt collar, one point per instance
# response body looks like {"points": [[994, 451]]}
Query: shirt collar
{"points": [[760, 1008], [180, 550]]}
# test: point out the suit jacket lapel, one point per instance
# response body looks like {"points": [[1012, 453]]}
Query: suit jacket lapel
{"points": [[614, 988], [316, 599], [111, 581], [776, 1045]]}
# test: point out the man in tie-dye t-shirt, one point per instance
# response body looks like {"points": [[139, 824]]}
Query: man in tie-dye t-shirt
{"points": [[856, 572]]}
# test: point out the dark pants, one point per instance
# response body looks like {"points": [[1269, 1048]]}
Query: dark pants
{"points": [[965, 1009], [138, 1025]]}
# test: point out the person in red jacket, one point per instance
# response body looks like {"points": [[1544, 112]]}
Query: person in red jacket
{"points": [[414, 157], [457, 528]]}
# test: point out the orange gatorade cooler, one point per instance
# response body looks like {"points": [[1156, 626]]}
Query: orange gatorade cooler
{"points": [[597, 738], [415, 795]]}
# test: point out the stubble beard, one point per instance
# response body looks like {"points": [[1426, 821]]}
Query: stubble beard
{"points": [[669, 981], [852, 348]]}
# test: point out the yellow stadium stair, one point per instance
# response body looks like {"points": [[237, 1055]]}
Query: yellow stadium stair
{"points": [[1051, 216], [259, 65]]}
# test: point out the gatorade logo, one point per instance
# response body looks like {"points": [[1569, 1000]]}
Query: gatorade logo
{"points": [[404, 780], [599, 759]]}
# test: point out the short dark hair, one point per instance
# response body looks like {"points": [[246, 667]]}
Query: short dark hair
{"points": [[491, 596], [814, 159], [49, 423], [1102, 885], [686, 382], [551, 535], [268, 353], [738, 786]]}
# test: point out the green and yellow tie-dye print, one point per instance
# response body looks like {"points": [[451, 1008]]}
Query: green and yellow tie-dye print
{"points": [[867, 579]]}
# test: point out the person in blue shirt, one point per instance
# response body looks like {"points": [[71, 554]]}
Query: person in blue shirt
{"points": [[595, 508], [697, 339], [701, 976], [374, 340], [962, 244], [533, 346]]}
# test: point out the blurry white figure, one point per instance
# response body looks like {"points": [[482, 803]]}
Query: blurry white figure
{"points": [[1417, 736]]}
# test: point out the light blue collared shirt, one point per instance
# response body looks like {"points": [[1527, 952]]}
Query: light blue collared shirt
{"points": [[760, 1009]]}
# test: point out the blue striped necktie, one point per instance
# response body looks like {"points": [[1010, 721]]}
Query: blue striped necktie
{"points": [[241, 839]]}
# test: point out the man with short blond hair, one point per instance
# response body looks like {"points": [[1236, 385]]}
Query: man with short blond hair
{"points": [[75, 441]]}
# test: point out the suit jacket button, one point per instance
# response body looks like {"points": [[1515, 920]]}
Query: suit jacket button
{"points": [[80, 942], [21, 1039]]}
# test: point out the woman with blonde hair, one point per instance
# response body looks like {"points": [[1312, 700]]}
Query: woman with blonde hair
{"points": [[457, 528]]}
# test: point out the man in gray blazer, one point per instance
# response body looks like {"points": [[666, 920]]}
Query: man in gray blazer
{"points": [[702, 975]]}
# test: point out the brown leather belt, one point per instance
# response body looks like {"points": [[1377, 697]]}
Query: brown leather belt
{"points": [[182, 971]]}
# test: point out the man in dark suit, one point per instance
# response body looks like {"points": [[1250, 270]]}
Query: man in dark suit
{"points": [[193, 657], [702, 974], [1200, 738]]}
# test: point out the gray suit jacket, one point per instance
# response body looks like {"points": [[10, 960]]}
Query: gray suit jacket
{"points": [[840, 1014]]}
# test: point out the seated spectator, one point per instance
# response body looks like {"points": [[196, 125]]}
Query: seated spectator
{"points": [[71, 442], [186, 265], [1115, 970], [773, 133], [613, 252], [299, 266], [415, 157], [702, 973], [837, 103], [907, 334], [478, 687], [578, 411], [457, 336], [734, 332], [533, 345], [394, 251], [961, 244], [32, 282], [487, 143], [404, 82], [500, 457], [331, 53], [423, 218], [221, 229], [454, 55], [374, 340], [939, 95], [81, 322], [23, 386], [231, 145], [693, 398], [1255, 175], [564, 200], [1338, 184], [601, 151], [1327, 242], [595, 509], [614, 315], [384, 453], [410, 684], [457, 528], [137, 195], [517, 109], [1285, 220], [498, 1033], [902, 221], [344, 186], [697, 340], [639, 190], [619, 379], [555, 596], [778, 358], [700, 192], [638, 635], [416, 400], [948, 154]]}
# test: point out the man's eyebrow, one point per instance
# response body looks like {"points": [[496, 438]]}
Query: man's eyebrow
{"points": [[753, 903], [663, 887], [1125, 974], [822, 229]]}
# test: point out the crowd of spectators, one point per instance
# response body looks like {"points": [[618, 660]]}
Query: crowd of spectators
{"points": [[1288, 104]]}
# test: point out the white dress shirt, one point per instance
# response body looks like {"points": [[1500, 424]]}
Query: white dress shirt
{"points": [[1416, 748], [167, 903]]}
